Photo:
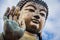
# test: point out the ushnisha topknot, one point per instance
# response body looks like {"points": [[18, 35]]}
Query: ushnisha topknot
{"points": [[21, 3]]}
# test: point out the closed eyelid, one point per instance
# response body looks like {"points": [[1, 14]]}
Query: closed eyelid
{"points": [[30, 10], [42, 10]]}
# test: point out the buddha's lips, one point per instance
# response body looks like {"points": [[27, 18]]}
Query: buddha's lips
{"points": [[35, 21]]}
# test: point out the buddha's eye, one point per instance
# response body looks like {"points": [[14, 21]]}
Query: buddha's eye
{"points": [[42, 14], [30, 10]]}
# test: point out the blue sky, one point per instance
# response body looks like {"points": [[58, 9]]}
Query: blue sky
{"points": [[51, 30]]}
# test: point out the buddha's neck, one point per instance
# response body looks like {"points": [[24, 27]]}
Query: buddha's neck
{"points": [[28, 33], [34, 35]]}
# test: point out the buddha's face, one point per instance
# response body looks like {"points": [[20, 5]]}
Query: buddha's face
{"points": [[34, 15]]}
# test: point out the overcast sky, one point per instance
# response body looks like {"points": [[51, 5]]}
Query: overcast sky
{"points": [[51, 30]]}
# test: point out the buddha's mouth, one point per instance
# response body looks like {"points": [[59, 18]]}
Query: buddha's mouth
{"points": [[35, 21]]}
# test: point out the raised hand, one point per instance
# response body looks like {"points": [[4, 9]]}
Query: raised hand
{"points": [[12, 28], [12, 14]]}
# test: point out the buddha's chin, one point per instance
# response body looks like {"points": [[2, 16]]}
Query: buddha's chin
{"points": [[32, 29]]}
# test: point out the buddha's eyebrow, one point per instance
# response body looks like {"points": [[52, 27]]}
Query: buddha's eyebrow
{"points": [[31, 6], [43, 10]]}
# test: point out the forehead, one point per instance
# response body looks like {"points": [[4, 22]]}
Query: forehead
{"points": [[38, 6]]}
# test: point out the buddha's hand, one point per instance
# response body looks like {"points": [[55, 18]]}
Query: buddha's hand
{"points": [[12, 28]]}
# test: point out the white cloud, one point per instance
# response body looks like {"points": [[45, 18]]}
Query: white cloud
{"points": [[53, 25]]}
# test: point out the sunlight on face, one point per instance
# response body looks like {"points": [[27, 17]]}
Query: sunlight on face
{"points": [[34, 15]]}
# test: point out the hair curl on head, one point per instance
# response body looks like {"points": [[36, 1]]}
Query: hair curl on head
{"points": [[23, 2]]}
